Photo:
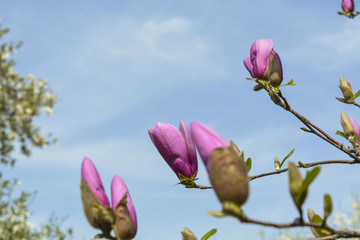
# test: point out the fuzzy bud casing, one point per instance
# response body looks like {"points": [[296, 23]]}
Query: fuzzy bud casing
{"points": [[228, 175], [346, 90]]}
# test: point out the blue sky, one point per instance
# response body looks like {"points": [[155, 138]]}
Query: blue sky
{"points": [[119, 67]]}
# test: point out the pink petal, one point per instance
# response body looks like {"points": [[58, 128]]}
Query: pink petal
{"points": [[118, 190]]}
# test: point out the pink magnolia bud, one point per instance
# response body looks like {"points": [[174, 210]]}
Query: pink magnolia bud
{"points": [[125, 215], [92, 178], [95, 203], [176, 147], [264, 62], [355, 125], [351, 129], [348, 5], [206, 139]]}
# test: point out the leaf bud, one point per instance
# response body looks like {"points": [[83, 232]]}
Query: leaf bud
{"points": [[188, 235], [346, 90]]}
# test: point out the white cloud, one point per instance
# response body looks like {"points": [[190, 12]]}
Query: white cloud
{"points": [[114, 71]]}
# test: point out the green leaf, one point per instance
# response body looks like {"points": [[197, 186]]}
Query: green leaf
{"points": [[248, 164], [295, 183], [258, 87], [186, 181], [356, 95], [209, 234], [320, 231], [217, 214], [341, 134], [327, 205], [290, 83], [275, 98], [277, 163], [309, 178], [287, 156]]}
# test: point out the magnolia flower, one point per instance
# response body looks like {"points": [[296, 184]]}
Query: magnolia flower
{"points": [[206, 139], [177, 148], [125, 215], [264, 62], [348, 5]]}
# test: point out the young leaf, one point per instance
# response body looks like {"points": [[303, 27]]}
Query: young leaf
{"points": [[357, 94], [340, 134], [327, 205], [287, 156], [305, 129], [209, 234], [277, 163], [290, 83], [258, 87], [295, 182], [310, 176], [248, 164], [217, 214], [321, 232]]}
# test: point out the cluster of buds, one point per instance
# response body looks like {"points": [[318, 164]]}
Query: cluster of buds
{"points": [[121, 217], [264, 63], [223, 162]]}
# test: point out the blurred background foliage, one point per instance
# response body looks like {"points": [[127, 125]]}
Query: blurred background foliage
{"points": [[22, 99]]}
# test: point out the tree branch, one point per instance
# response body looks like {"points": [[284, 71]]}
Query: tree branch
{"points": [[305, 165], [312, 127]]}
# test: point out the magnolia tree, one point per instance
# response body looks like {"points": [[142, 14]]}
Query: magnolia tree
{"points": [[228, 170], [22, 99]]}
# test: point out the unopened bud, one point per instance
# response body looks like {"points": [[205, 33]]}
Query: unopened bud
{"points": [[188, 235], [346, 90], [98, 215], [347, 126], [277, 163], [228, 175], [274, 70]]}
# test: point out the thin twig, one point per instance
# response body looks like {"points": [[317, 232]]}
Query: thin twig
{"points": [[356, 104], [313, 128], [198, 186], [305, 165]]}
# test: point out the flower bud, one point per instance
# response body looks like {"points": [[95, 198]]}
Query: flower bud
{"points": [[206, 139], [188, 235], [125, 215], [94, 200], [347, 126], [346, 90], [228, 175], [264, 62], [351, 129], [348, 5], [176, 147]]}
